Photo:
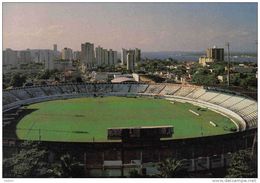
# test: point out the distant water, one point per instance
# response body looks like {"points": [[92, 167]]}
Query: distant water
{"points": [[191, 56]]}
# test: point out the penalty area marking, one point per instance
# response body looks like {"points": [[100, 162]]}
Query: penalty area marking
{"points": [[194, 112]]}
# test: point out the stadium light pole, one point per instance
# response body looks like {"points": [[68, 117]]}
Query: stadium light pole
{"points": [[228, 74]]}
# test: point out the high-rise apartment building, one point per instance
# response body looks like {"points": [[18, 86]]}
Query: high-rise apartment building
{"points": [[110, 57], [105, 57], [212, 55], [67, 54], [136, 52], [130, 60], [25, 56], [55, 47], [137, 55], [115, 57], [216, 54], [99, 57], [49, 60], [87, 54], [10, 57], [76, 55], [123, 56]]}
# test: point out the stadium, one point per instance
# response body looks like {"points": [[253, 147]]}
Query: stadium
{"points": [[208, 124]]}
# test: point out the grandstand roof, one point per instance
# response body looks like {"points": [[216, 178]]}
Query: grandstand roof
{"points": [[122, 80]]}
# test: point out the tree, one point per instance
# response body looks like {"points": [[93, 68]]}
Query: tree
{"points": [[170, 168], [45, 75], [134, 174], [30, 161], [67, 167], [18, 80], [204, 79], [242, 165]]}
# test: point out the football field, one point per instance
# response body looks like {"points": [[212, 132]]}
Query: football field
{"points": [[87, 119]]}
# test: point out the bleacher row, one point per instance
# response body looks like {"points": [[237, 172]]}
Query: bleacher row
{"points": [[243, 106]]}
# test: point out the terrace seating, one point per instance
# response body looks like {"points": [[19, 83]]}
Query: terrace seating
{"points": [[220, 98], [21, 94], [154, 89], [196, 93], [81, 88], [138, 88], [51, 90], [122, 88], [170, 89], [36, 92], [248, 110], [68, 89], [251, 119], [242, 104], [184, 90], [232, 101], [207, 96], [90, 88], [8, 98], [103, 88]]}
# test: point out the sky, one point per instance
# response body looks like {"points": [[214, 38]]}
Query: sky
{"points": [[148, 26]]}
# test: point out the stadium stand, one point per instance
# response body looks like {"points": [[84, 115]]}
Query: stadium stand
{"points": [[241, 105], [248, 110], [208, 95], [52, 90], [67, 89], [232, 101], [8, 98], [196, 93], [36, 92], [170, 89], [122, 88], [103, 88], [82, 88], [138, 88], [184, 90], [155, 89], [220, 98], [21, 94], [90, 88]]}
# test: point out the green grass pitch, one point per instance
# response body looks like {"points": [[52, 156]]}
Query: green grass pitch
{"points": [[87, 119]]}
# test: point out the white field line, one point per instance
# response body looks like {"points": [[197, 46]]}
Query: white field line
{"points": [[213, 124], [194, 112]]}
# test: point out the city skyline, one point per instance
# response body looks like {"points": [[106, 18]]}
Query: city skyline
{"points": [[149, 26]]}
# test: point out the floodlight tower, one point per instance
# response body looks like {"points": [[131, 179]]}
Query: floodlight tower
{"points": [[228, 55]]}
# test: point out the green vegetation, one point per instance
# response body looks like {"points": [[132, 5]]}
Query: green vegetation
{"points": [[18, 80], [87, 119], [47, 74], [170, 168], [204, 77], [242, 165], [32, 161], [245, 80]]}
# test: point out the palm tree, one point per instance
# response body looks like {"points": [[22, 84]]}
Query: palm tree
{"points": [[170, 168], [68, 166]]}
